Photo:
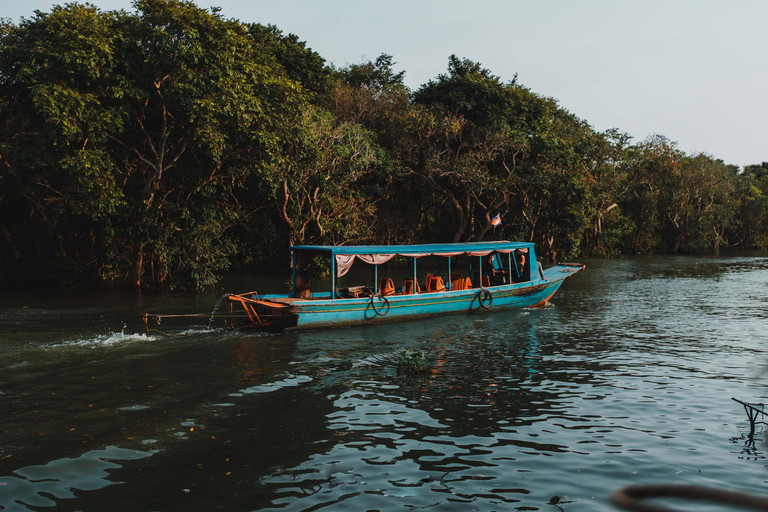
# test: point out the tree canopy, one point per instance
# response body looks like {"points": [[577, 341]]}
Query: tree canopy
{"points": [[168, 144]]}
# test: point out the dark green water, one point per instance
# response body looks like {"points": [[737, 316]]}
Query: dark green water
{"points": [[626, 378]]}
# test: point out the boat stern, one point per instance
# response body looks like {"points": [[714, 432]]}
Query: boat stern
{"points": [[264, 314]]}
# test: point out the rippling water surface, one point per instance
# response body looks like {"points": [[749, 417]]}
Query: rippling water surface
{"points": [[626, 378]]}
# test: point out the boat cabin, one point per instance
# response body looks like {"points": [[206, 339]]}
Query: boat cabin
{"points": [[490, 264]]}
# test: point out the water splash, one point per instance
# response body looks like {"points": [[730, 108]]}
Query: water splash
{"points": [[108, 339], [216, 308]]}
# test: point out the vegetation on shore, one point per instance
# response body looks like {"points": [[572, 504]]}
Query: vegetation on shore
{"points": [[168, 144]]}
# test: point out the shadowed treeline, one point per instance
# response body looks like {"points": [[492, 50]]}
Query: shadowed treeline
{"points": [[168, 144]]}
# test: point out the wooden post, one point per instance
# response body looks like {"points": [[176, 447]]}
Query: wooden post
{"points": [[450, 282], [294, 272]]}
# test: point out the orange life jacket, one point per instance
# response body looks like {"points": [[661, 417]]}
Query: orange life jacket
{"points": [[387, 287], [435, 284], [408, 287]]}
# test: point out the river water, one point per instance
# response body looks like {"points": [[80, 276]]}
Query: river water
{"points": [[625, 378]]}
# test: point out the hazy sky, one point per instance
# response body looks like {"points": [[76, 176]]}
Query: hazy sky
{"points": [[695, 71]]}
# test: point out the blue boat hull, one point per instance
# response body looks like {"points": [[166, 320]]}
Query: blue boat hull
{"points": [[345, 312], [282, 314]]}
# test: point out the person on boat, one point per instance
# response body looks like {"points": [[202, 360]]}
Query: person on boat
{"points": [[488, 270], [495, 275], [303, 288], [522, 271]]}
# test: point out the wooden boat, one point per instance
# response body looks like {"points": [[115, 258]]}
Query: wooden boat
{"points": [[501, 277]]}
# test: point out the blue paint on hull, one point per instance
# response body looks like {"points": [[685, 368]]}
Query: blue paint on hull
{"points": [[343, 312], [319, 313]]}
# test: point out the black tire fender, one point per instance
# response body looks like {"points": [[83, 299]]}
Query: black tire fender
{"points": [[385, 308], [485, 299]]}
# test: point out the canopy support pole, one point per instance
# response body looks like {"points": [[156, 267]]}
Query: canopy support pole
{"points": [[333, 277], [375, 279], [450, 282], [518, 272], [480, 284]]}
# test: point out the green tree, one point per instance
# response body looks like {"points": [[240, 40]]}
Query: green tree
{"points": [[321, 196], [697, 202], [467, 145], [750, 227], [300, 63], [59, 187], [606, 159], [151, 120]]}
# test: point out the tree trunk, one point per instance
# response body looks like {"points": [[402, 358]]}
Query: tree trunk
{"points": [[464, 215], [138, 264], [15, 254]]}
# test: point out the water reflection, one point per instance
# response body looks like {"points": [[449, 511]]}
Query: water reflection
{"points": [[627, 378], [454, 436], [41, 486]]}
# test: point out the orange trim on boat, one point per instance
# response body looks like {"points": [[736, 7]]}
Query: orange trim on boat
{"points": [[543, 302]]}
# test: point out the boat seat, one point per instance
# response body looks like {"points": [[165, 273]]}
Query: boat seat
{"points": [[462, 283], [387, 287], [408, 287], [435, 284], [354, 292]]}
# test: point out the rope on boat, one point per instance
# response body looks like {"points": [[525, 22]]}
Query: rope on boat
{"points": [[158, 318], [197, 315], [146, 317], [246, 300]]}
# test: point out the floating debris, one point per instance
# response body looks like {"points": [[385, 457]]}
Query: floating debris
{"points": [[412, 363]]}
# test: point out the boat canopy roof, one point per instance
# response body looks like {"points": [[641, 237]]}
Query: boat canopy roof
{"points": [[344, 255], [419, 250]]}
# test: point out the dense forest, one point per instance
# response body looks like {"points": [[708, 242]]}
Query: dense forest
{"points": [[169, 144]]}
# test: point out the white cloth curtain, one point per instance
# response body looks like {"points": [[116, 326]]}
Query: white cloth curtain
{"points": [[344, 261]]}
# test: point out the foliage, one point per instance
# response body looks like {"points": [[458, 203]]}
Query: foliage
{"points": [[412, 363], [154, 121], [168, 144]]}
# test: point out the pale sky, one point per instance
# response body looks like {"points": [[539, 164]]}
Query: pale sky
{"points": [[695, 71]]}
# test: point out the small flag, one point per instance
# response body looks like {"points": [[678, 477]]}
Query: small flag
{"points": [[496, 221]]}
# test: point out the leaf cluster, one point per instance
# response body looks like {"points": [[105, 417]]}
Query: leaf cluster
{"points": [[168, 144]]}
